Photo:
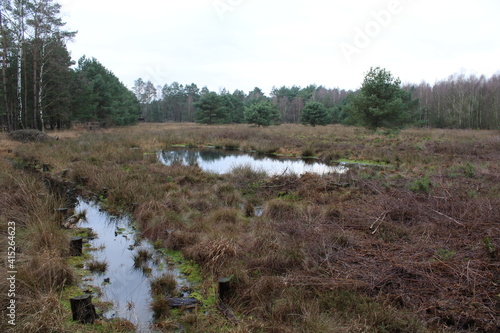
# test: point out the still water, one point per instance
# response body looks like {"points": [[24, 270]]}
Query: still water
{"points": [[222, 162], [129, 287]]}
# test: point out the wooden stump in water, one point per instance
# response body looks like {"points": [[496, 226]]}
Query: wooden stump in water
{"points": [[76, 247], [83, 310]]}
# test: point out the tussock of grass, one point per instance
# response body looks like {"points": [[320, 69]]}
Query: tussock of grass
{"points": [[96, 266], [40, 312], [224, 216], [160, 308], [47, 271], [164, 286], [281, 210], [213, 254], [141, 257], [178, 240]]}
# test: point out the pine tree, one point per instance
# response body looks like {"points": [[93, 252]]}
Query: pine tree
{"points": [[381, 102], [263, 113], [209, 109], [314, 113]]}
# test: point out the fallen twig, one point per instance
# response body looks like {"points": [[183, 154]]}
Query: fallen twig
{"points": [[381, 219], [451, 218]]}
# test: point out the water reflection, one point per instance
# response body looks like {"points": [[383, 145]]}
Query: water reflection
{"points": [[221, 162], [127, 287]]}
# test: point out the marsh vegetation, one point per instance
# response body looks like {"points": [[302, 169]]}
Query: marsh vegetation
{"points": [[407, 248]]}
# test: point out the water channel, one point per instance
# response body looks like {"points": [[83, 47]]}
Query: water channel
{"points": [[223, 161], [127, 287]]}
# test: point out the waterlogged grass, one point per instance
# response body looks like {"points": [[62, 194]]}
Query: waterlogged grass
{"points": [[333, 253], [187, 267]]}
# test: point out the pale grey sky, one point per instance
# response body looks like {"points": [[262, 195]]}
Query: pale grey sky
{"points": [[241, 44]]}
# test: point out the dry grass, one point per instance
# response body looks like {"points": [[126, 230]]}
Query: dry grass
{"points": [[408, 248], [42, 271]]}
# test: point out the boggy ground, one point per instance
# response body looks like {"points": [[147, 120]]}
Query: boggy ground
{"points": [[410, 247]]}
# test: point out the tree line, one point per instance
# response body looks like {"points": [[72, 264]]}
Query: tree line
{"points": [[460, 102], [41, 88], [178, 102]]}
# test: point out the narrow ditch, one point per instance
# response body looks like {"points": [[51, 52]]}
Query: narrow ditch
{"points": [[131, 264]]}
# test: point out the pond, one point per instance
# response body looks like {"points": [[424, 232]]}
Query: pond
{"points": [[123, 284], [223, 161]]}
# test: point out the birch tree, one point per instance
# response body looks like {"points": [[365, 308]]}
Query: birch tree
{"points": [[19, 15], [46, 24]]}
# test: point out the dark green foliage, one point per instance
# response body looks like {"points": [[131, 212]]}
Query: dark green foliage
{"points": [[100, 96], [262, 114], [381, 102], [255, 96], [233, 106], [314, 113], [209, 110], [57, 86]]}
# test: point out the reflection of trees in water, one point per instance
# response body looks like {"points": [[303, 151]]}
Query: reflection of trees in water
{"points": [[183, 157], [194, 157], [190, 157], [211, 155]]}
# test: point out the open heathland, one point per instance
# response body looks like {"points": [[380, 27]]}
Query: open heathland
{"points": [[406, 241]]}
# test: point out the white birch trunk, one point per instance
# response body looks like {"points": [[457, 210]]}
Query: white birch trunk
{"points": [[40, 88]]}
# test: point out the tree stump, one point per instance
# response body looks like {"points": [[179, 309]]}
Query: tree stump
{"points": [[83, 310], [76, 247], [224, 289]]}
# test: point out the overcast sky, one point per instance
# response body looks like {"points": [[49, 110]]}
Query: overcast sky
{"points": [[242, 44]]}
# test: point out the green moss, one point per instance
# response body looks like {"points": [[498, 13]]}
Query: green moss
{"points": [[192, 271], [70, 292]]}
